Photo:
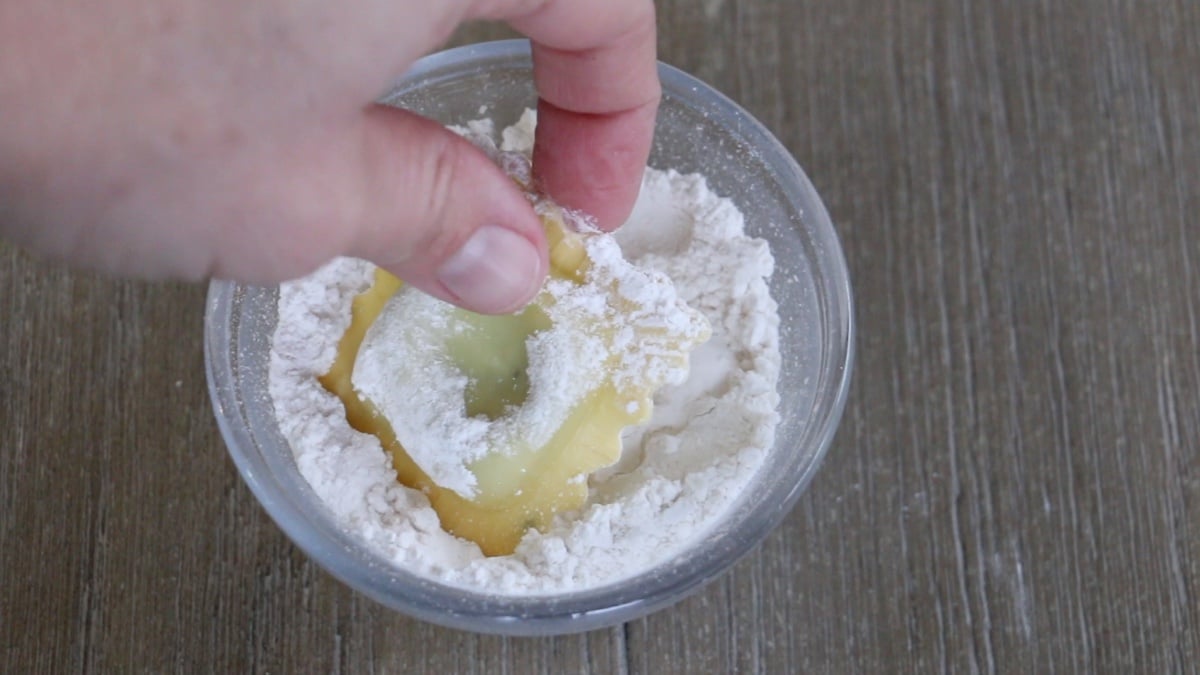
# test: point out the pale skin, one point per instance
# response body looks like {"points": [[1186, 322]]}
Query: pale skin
{"points": [[239, 139]]}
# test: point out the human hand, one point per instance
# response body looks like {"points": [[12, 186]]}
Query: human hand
{"points": [[197, 138]]}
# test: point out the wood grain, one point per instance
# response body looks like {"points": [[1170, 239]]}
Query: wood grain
{"points": [[1016, 484]]}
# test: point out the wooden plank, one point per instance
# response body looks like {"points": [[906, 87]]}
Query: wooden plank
{"points": [[1007, 181], [1016, 486]]}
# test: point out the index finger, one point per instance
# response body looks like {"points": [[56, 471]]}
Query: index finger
{"points": [[596, 71]]}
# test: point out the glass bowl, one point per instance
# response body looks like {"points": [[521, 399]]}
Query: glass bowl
{"points": [[699, 130]]}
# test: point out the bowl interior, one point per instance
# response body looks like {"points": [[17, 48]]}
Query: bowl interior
{"points": [[698, 131]]}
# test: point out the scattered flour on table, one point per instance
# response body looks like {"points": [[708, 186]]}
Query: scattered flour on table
{"points": [[678, 474]]}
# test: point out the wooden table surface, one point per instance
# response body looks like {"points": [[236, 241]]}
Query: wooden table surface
{"points": [[1015, 486]]}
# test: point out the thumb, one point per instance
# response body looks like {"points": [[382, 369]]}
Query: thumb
{"points": [[441, 216]]}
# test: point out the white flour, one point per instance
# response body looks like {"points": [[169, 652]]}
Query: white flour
{"points": [[624, 325], [678, 474]]}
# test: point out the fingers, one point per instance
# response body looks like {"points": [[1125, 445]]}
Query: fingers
{"points": [[438, 214], [597, 80], [593, 163], [442, 217]]}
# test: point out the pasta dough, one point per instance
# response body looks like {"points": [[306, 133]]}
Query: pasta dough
{"points": [[500, 419]]}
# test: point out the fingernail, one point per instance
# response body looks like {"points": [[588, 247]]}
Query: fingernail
{"points": [[497, 270]]}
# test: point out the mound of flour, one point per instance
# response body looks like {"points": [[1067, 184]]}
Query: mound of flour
{"points": [[678, 474]]}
